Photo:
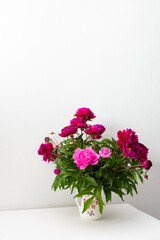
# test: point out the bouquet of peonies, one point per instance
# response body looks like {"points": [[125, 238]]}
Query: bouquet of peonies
{"points": [[85, 162]]}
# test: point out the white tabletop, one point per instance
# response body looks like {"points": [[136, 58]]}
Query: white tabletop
{"points": [[119, 221]]}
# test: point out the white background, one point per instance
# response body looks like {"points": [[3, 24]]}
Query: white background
{"points": [[57, 56]]}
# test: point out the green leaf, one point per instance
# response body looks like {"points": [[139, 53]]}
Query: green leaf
{"points": [[63, 181], [55, 149], [81, 184], [87, 204], [58, 162], [114, 143], [130, 190], [73, 186], [71, 170], [92, 181], [134, 176], [86, 191], [99, 173], [69, 181], [140, 170], [98, 189], [100, 201], [108, 194], [140, 177], [134, 187], [119, 192], [106, 140], [56, 183], [110, 180]]}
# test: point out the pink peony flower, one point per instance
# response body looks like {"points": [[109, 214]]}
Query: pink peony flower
{"points": [[105, 152], [84, 157], [95, 130], [147, 164], [86, 113], [66, 131], [57, 171], [78, 122], [46, 150]]}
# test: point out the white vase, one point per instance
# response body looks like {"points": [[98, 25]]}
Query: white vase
{"points": [[92, 213]]}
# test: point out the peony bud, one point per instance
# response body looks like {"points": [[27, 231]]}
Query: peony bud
{"points": [[46, 139], [146, 176], [57, 171]]}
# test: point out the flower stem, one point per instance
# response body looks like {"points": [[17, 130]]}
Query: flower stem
{"points": [[74, 142], [128, 161], [115, 150], [119, 155], [52, 133], [139, 165], [59, 155], [81, 139]]}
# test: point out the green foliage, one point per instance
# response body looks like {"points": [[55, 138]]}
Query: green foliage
{"points": [[87, 204], [100, 201], [113, 174], [91, 181]]}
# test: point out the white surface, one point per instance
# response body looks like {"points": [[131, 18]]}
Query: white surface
{"points": [[118, 222], [56, 56]]}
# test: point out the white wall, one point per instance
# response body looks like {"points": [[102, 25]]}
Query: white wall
{"points": [[57, 56]]}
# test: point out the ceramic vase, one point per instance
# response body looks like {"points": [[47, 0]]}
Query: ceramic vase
{"points": [[92, 213]]}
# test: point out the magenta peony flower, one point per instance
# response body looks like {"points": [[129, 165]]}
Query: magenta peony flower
{"points": [[95, 130], [78, 122], [147, 164], [105, 152], [42, 149], [46, 150], [84, 157], [53, 156], [86, 113], [128, 143], [66, 131], [57, 171], [49, 147], [141, 152]]}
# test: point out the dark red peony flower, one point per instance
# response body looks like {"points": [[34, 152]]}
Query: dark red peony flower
{"points": [[141, 152], [46, 149], [146, 176], [78, 122], [85, 113], [128, 142], [66, 131], [95, 130], [147, 164]]}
